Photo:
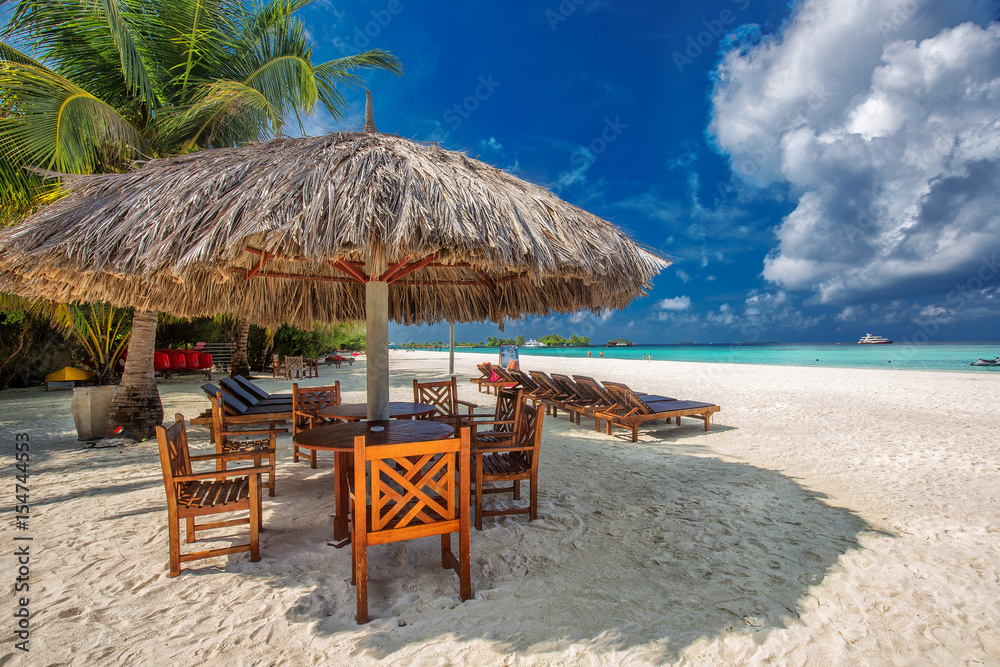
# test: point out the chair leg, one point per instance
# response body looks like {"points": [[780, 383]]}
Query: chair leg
{"points": [[295, 453], [272, 490], [312, 458], [255, 519], [517, 489], [635, 433], [445, 548], [190, 530], [479, 492], [534, 496], [361, 578], [464, 575], [174, 531]]}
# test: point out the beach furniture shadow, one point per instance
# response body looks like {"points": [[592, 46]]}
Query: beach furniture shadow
{"points": [[676, 550]]}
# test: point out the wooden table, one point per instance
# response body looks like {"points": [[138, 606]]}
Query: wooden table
{"points": [[355, 411], [339, 438]]}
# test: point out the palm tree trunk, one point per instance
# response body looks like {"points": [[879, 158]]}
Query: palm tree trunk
{"points": [[136, 407], [240, 365]]}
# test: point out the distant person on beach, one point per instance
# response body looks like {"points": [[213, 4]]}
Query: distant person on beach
{"points": [[602, 354], [588, 354]]}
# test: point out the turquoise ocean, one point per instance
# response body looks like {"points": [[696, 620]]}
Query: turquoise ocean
{"points": [[929, 356]]}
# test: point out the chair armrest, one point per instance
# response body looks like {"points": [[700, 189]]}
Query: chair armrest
{"points": [[469, 404], [488, 449], [231, 472], [474, 425], [227, 456], [236, 433]]}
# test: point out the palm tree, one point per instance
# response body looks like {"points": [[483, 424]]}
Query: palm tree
{"points": [[114, 81]]}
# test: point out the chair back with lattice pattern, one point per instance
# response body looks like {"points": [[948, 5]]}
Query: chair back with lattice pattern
{"points": [[295, 365], [508, 408], [529, 431], [415, 489], [443, 395], [307, 402], [174, 457]]}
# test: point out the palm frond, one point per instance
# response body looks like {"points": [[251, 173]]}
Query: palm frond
{"points": [[225, 113], [332, 72], [52, 123]]}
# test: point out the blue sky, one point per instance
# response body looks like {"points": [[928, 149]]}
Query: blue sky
{"points": [[816, 170]]}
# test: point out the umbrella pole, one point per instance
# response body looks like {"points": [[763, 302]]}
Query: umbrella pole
{"points": [[451, 348], [377, 334]]}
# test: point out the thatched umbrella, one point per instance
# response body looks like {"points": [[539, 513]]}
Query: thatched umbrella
{"points": [[344, 226]]}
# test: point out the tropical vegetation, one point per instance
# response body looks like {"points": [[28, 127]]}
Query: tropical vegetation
{"points": [[92, 86]]}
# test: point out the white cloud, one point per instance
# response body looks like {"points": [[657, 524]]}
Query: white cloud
{"points": [[725, 316], [683, 275], [675, 303], [491, 145], [582, 160], [883, 117]]}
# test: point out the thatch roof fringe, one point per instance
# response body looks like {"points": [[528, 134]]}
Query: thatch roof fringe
{"points": [[182, 235]]}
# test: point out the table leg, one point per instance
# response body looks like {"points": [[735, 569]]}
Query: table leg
{"points": [[340, 530]]}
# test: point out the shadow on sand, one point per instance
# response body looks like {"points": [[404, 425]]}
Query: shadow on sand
{"points": [[679, 549]]}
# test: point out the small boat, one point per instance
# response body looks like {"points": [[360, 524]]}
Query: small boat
{"points": [[995, 361], [534, 343], [874, 340]]}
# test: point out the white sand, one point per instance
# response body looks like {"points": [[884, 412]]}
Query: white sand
{"points": [[831, 516]]}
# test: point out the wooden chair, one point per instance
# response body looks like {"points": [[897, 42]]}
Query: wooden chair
{"points": [[502, 422], [634, 409], [295, 365], [416, 490], [511, 460], [230, 440], [443, 395], [190, 495], [305, 412], [277, 367]]}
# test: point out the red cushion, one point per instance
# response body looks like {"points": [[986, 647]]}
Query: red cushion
{"points": [[161, 361], [206, 359], [177, 359], [192, 359]]}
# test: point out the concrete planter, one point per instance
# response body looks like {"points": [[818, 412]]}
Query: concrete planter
{"points": [[90, 410]]}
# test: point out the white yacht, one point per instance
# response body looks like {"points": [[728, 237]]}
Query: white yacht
{"points": [[874, 340], [534, 343]]}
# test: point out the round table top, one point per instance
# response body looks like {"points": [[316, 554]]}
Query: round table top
{"points": [[340, 437], [397, 409]]}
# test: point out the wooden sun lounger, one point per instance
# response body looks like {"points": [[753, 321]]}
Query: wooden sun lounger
{"points": [[633, 410], [504, 381], [258, 392], [581, 400], [531, 390], [238, 412], [555, 397], [485, 371], [234, 388]]}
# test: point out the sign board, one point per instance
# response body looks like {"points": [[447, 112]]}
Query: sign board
{"points": [[508, 353]]}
